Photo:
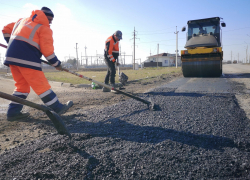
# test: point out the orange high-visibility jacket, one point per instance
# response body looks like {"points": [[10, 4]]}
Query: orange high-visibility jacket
{"points": [[7, 31], [111, 49], [30, 39]]}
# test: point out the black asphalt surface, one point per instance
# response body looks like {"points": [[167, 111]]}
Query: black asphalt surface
{"points": [[190, 136]]}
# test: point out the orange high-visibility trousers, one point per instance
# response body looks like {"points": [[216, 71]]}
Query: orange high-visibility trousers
{"points": [[25, 78]]}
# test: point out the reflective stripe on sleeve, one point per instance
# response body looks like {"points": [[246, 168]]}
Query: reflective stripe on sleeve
{"points": [[20, 61], [115, 51], [55, 64], [6, 35], [51, 56]]}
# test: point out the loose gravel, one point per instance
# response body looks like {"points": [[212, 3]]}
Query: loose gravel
{"points": [[190, 136]]}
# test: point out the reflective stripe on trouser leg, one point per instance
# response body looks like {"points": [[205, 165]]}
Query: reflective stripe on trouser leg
{"points": [[15, 108], [50, 99]]}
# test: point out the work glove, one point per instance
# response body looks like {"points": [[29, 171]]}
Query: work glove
{"points": [[59, 68], [7, 39]]}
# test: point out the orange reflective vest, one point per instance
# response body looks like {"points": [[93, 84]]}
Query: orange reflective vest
{"points": [[30, 39], [111, 49]]}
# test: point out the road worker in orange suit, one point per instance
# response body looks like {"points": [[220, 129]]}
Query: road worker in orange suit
{"points": [[111, 54], [28, 39]]}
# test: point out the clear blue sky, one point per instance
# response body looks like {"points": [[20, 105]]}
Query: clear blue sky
{"points": [[89, 23]]}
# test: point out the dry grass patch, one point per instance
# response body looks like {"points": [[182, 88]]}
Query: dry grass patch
{"points": [[100, 75]]}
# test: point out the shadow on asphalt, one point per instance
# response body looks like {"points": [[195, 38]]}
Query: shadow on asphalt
{"points": [[242, 75], [117, 128], [188, 94]]}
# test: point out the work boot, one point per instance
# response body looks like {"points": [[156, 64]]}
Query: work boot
{"points": [[104, 89], [18, 116], [113, 91], [65, 107]]}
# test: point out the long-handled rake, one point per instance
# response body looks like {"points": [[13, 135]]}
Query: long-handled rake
{"points": [[150, 104]]}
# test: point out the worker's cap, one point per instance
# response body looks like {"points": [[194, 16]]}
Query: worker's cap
{"points": [[47, 11], [118, 34]]}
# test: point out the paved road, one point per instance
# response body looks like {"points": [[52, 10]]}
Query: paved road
{"points": [[236, 69], [231, 72]]}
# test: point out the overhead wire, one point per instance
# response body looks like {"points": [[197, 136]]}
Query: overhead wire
{"points": [[159, 41], [157, 30], [155, 33]]}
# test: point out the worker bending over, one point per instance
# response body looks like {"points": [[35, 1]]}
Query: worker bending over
{"points": [[28, 39]]}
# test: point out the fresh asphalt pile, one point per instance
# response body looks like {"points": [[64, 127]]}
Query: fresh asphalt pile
{"points": [[190, 136]]}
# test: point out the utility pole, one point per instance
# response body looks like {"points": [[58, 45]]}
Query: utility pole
{"points": [[176, 47], [238, 57], [134, 51], [76, 57], [157, 55], [246, 53], [86, 56], [120, 55], [134, 48], [97, 58], [231, 58], [124, 59], [81, 59]]}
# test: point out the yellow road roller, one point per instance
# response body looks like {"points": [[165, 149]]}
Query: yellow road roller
{"points": [[203, 55]]}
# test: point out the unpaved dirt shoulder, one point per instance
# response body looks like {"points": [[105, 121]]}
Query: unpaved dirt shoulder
{"points": [[13, 134], [242, 88]]}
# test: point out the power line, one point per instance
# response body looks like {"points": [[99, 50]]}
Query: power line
{"points": [[159, 41], [158, 30], [237, 29], [157, 33], [232, 44]]}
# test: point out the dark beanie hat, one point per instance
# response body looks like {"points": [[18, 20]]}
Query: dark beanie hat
{"points": [[47, 11]]}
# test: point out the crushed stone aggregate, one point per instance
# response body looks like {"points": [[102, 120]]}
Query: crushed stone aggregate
{"points": [[190, 136]]}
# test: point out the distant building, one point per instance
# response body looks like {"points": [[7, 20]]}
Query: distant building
{"points": [[163, 59], [67, 65]]}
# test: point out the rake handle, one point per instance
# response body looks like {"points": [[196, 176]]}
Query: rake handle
{"points": [[102, 84], [23, 101]]}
